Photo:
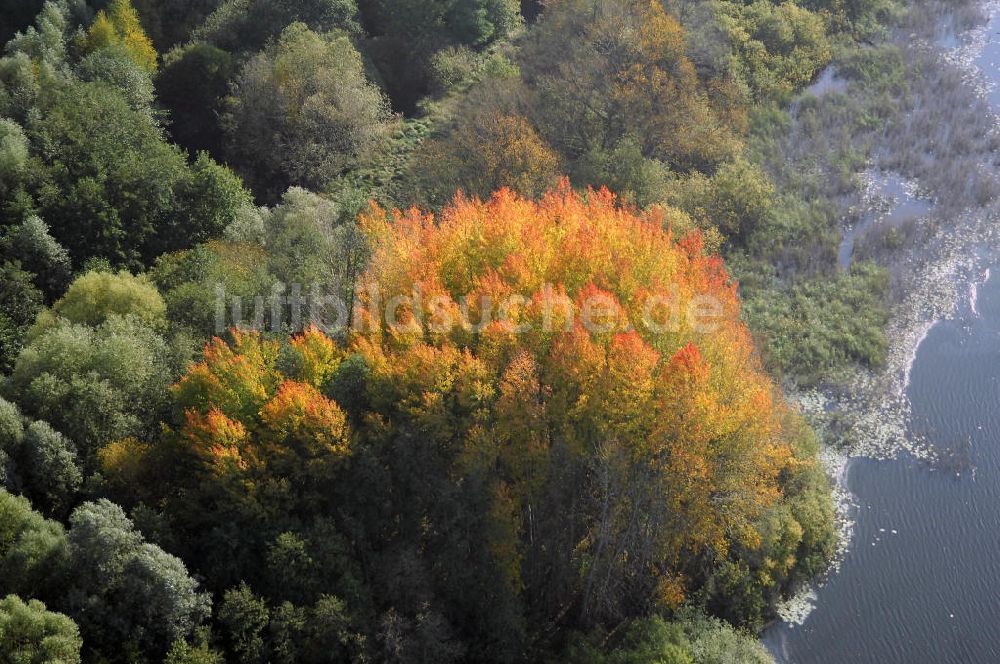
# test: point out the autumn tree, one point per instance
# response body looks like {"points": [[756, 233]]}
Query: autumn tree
{"points": [[560, 390], [253, 429], [241, 413], [488, 149], [608, 72], [119, 26], [665, 436]]}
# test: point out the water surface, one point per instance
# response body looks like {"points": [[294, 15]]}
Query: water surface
{"points": [[921, 582], [895, 203]]}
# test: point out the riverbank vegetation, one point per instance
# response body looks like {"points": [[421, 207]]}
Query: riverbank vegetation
{"points": [[179, 488]]}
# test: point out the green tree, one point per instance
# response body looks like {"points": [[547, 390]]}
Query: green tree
{"points": [[716, 642], [245, 26], [302, 112], [19, 89], [20, 302], [737, 199], [109, 186], [11, 436], [13, 155], [30, 634], [31, 244], [471, 22], [189, 279], [114, 66], [198, 652], [7, 471], [51, 475], [125, 590], [314, 240], [192, 84], [96, 384], [95, 296], [779, 46], [407, 34], [45, 40], [244, 618], [691, 638], [861, 18], [290, 633], [170, 22], [34, 551]]}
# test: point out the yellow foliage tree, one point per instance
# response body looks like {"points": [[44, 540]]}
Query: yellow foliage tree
{"points": [[120, 26]]}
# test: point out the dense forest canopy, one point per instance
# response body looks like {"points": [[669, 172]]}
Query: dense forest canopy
{"points": [[539, 427]]}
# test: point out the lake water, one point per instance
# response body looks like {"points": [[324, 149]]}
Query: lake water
{"points": [[920, 583], [895, 204]]}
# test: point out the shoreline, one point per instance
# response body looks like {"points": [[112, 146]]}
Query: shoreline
{"points": [[931, 277]]}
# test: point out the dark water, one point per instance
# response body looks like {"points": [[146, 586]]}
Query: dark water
{"points": [[921, 583]]}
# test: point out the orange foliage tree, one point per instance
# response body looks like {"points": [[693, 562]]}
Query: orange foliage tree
{"points": [[554, 401], [241, 414], [592, 369]]}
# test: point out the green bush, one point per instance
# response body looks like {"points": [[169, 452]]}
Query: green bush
{"points": [[29, 633]]}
